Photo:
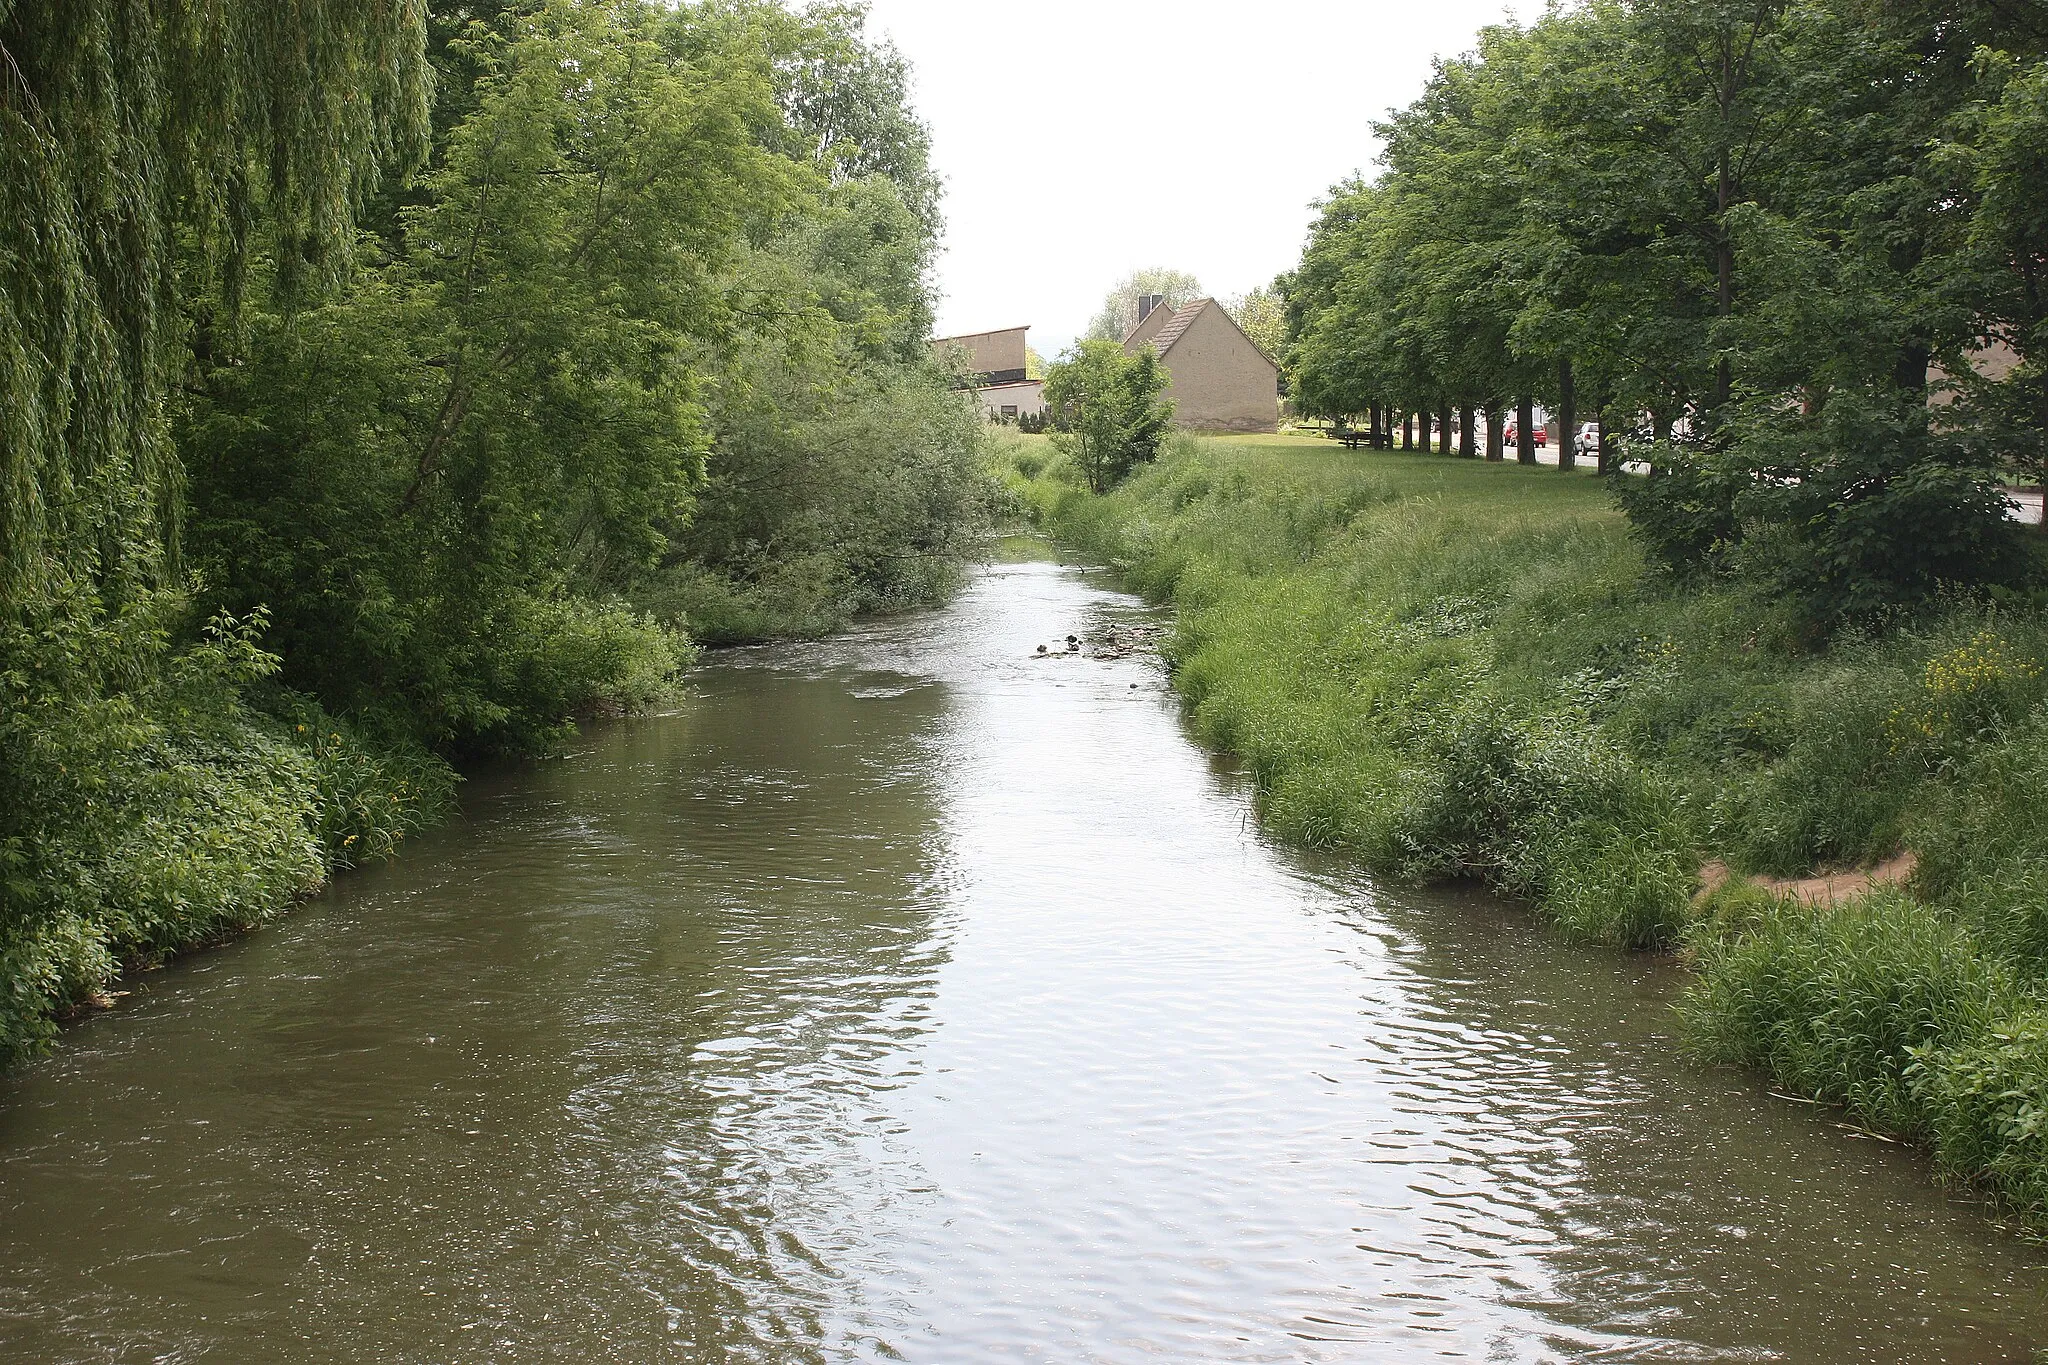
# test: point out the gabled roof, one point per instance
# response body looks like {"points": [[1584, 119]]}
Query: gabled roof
{"points": [[1147, 325], [1163, 340]]}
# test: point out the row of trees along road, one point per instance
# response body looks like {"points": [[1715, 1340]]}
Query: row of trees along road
{"points": [[1765, 240], [384, 379]]}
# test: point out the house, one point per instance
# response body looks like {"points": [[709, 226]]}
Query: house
{"points": [[1219, 379], [995, 365]]}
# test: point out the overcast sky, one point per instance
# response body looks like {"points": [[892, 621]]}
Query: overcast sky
{"points": [[1080, 139]]}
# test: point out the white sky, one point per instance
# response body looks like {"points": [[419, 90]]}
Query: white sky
{"points": [[1081, 139]]}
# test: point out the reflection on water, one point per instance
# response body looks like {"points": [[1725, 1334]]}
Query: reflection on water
{"points": [[909, 996]]}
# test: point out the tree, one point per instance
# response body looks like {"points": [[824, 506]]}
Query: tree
{"points": [[138, 143], [1119, 314], [2005, 255], [523, 412], [142, 143], [1745, 230], [643, 349], [1262, 314], [1111, 414], [1826, 475], [461, 410]]}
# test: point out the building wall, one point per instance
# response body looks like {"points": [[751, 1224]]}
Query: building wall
{"points": [[1148, 327], [1221, 382], [1995, 362], [1027, 396], [992, 352]]}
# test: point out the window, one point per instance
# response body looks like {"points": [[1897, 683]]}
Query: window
{"points": [[1009, 409]]}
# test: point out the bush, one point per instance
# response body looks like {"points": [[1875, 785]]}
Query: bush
{"points": [[146, 807], [1982, 837], [1855, 509], [1110, 416], [830, 495], [1987, 1105]]}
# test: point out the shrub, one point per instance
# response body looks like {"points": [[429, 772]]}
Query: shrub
{"points": [[1987, 1105], [146, 807], [1982, 837], [1110, 416]]}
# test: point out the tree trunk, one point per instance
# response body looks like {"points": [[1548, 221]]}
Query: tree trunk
{"points": [[1496, 450], [1525, 430], [1567, 414], [1600, 434], [1443, 429], [1372, 435], [1407, 431], [1465, 448]]}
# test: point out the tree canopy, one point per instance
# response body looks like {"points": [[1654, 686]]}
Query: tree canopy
{"points": [[1118, 315], [383, 381], [1774, 242]]}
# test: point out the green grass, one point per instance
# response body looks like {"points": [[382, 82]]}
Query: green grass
{"points": [[1455, 669]]}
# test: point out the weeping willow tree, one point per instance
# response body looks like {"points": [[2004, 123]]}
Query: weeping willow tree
{"points": [[150, 152], [140, 143]]}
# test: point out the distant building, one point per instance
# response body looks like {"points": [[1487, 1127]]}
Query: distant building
{"points": [[1221, 380], [995, 363]]}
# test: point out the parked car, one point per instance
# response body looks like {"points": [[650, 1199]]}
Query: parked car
{"points": [[1512, 435], [1589, 439]]}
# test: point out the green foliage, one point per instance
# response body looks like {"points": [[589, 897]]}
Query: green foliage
{"points": [[1983, 843], [1261, 313], [1744, 230], [421, 478], [845, 474], [1847, 1004], [143, 805], [341, 430], [1111, 417], [149, 807], [137, 143], [1118, 316]]}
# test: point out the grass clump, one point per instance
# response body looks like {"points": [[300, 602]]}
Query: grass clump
{"points": [[1454, 669]]}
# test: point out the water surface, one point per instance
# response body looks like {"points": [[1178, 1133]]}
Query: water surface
{"points": [[909, 996]]}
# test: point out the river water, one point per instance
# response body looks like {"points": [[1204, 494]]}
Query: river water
{"points": [[911, 997]]}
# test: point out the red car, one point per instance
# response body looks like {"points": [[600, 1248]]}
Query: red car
{"points": [[1511, 436]]}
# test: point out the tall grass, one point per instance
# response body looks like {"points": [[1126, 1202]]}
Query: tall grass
{"points": [[1454, 669]]}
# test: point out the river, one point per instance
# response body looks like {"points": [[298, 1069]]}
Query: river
{"points": [[908, 996]]}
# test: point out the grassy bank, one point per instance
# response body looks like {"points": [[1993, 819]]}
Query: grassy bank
{"points": [[1455, 669]]}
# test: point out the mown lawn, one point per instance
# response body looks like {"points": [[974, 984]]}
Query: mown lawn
{"points": [[1456, 669]]}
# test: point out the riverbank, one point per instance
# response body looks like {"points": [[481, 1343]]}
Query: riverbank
{"points": [[1454, 669], [174, 815], [174, 797]]}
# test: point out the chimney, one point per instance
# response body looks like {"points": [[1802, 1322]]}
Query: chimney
{"points": [[1147, 302]]}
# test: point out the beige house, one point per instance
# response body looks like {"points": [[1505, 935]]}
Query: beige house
{"points": [[996, 362], [1220, 379]]}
